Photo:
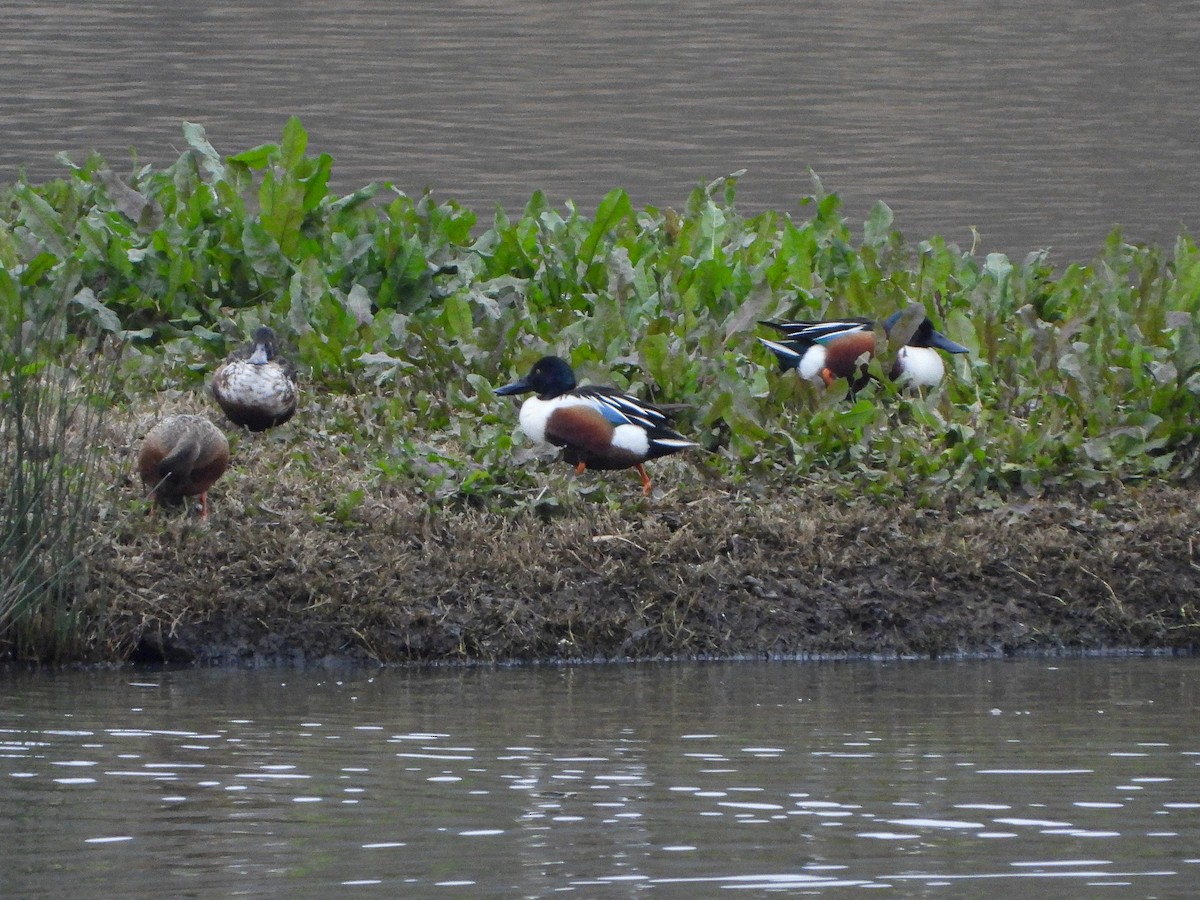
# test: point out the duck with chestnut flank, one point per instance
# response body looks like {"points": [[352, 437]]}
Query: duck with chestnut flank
{"points": [[255, 386], [837, 349], [182, 456], [598, 427]]}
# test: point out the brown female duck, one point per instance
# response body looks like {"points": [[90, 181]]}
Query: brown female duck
{"points": [[183, 456]]}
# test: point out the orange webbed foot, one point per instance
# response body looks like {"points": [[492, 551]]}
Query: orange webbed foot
{"points": [[645, 480]]}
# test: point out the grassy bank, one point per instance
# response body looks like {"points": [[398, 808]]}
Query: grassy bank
{"points": [[1039, 500], [696, 572]]}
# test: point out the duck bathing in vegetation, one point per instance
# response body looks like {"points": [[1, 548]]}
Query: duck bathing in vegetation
{"points": [[598, 427], [255, 386], [183, 456]]}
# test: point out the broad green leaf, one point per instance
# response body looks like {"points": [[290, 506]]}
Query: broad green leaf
{"points": [[356, 199], [878, 227], [316, 185], [457, 316], [257, 157], [998, 266], [42, 219], [282, 204], [106, 318], [613, 210], [295, 141], [358, 301], [210, 160]]}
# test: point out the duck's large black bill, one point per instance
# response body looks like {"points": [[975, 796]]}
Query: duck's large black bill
{"points": [[517, 387], [942, 342]]}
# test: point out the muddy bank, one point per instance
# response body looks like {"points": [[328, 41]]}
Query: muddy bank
{"points": [[695, 573]]}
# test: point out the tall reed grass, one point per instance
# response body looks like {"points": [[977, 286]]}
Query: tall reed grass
{"points": [[52, 412]]}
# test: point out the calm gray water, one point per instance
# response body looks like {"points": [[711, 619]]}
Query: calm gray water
{"points": [[1042, 124], [953, 779]]}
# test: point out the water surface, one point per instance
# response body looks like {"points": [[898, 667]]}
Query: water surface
{"points": [[977, 779], [1039, 124]]}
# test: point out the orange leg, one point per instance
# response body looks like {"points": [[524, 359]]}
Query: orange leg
{"points": [[581, 468], [204, 506], [828, 377], [645, 479]]}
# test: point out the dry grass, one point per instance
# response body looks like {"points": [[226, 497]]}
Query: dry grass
{"points": [[286, 571]]}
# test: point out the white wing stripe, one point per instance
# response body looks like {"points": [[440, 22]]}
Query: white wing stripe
{"points": [[821, 331], [782, 350]]}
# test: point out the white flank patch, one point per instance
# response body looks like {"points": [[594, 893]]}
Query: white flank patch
{"points": [[921, 366], [812, 362], [631, 438]]}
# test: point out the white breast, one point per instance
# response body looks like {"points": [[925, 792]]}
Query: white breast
{"points": [[921, 366], [262, 387], [534, 415]]}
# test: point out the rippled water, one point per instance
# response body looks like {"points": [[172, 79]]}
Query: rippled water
{"points": [[1041, 124], [962, 779]]}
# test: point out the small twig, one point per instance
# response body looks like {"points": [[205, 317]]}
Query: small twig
{"points": [[618, 537]]}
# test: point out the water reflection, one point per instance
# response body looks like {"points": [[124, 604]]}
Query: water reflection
{"points": [[1042, 125], [598, 781]]}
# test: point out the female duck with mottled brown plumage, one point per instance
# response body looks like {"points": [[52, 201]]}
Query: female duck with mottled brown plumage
{"points": [[183, 456]]}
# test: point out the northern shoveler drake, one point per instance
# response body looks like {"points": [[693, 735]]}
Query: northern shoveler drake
{"points": [[837, 349], [183, 456], [255, 386], [598, 427]]}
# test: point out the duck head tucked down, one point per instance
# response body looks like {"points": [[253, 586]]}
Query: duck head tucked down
{"points": [[598, 427], [183, 456], [255, 386], [835, 349]]}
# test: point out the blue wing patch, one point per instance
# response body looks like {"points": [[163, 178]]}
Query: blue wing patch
{"points": [[611, 413]]}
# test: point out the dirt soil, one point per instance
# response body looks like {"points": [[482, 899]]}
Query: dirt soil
{"points": [[694, 572]]}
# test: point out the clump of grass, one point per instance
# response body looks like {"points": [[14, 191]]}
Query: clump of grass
{"points": [[51, 414]]}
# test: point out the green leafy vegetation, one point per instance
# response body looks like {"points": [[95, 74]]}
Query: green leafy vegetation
{"points": [[1076, 377], [403, 313]]}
